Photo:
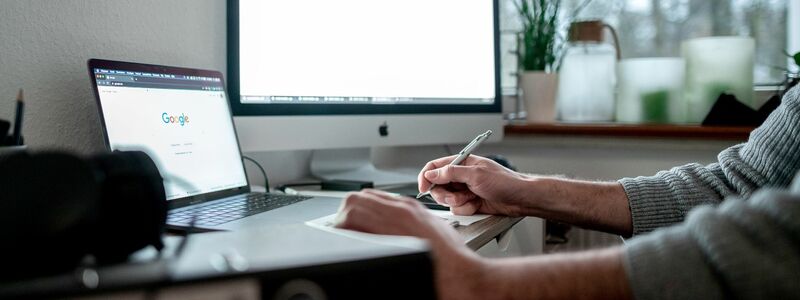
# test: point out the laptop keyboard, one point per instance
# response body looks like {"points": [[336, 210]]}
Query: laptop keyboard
{"points": [[221, 212]]}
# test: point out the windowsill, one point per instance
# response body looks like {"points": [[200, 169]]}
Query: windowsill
{"points": [[632, 131]]}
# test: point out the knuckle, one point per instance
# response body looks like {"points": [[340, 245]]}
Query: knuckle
{"points": [[351, 199], [410, 202], [481, 172], [448, 170], [404, 200]]}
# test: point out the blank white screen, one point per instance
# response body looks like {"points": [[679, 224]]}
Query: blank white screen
{"points": [[373, 48]]}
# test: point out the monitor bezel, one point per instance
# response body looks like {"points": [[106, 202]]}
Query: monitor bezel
{"points": [[273, 109], [139, 67]]}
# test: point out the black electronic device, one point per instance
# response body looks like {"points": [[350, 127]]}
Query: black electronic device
{"points": [[4, 126], [345, 185], [56, 209], [729, 111]]}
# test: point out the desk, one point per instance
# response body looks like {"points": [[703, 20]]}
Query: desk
{"points": [[478, 234]]}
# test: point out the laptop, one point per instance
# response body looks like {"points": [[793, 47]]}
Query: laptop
{"points": [[181, 118]]}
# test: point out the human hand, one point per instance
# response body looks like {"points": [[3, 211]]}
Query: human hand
{"points": [[457, 269], [379, 212], [478, 185]]}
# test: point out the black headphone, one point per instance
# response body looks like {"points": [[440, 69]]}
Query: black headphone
{"points": [[56, 209]]}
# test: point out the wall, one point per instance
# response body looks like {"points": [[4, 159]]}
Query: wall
{"points": [[44, 46]]}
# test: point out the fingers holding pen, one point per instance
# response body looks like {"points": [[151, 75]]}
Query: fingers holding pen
{"points": [[451, 173], [423, 178], [452, 198]]}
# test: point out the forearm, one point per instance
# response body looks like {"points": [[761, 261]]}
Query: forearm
{"points": [[587, 275], [596, 205], [770, 158]]}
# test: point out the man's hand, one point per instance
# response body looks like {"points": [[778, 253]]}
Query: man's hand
{"points": [[457, 269], [478, 185], [379, 212]]}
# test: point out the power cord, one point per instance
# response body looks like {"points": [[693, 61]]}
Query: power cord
{"points": [[266, 180]]}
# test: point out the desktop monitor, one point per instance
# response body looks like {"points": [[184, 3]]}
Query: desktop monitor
{"points": [[354, 74]]}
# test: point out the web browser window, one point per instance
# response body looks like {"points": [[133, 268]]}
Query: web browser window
{"points": [[182, 122]]}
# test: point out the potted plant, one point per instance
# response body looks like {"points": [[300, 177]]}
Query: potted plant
{"points": [[793, 78], [537, 54]]}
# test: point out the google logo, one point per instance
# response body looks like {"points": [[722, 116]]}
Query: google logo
{"points": [[182, 119]]}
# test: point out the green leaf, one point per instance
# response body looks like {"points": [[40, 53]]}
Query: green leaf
{"points": [[537, 40], [797, 58]]}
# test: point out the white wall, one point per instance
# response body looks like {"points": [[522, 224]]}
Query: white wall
{"points": [[44, 46]]}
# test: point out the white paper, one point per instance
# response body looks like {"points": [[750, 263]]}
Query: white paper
{"points": [[326, 223], [462, 220]]}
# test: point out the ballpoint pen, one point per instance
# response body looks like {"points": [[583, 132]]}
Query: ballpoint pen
{"points": [[462, 155]]}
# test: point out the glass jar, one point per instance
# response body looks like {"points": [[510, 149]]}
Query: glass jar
{"points": [[651, 90], [587, 77], [716, 65]]}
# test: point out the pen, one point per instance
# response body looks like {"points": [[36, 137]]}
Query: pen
{"points": [[462, 155], [18, 119]]}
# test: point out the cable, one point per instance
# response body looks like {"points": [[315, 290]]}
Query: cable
{"points": [[266, 180]]}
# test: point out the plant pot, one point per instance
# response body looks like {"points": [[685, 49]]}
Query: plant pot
{"points": [[539, 93]]}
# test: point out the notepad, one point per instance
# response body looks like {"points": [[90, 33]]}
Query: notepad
{"points": [[330, 220], [462, 220]]}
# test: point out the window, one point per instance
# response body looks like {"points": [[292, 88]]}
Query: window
{"points": [[655, 28]]}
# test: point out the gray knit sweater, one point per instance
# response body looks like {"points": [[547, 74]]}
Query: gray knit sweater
{"points": [[747, 246]]}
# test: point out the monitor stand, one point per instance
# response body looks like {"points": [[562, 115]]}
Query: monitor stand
{"points": [[354, 164]]}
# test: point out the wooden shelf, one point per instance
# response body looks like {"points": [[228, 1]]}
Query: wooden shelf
{"points": [[633, 131]]}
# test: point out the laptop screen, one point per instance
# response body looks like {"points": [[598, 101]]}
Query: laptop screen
{"points": [[183, 122]]}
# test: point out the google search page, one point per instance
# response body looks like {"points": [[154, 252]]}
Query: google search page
{"points": [[188, 133]]}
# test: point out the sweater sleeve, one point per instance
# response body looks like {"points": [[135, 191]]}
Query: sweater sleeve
{"points": [[769, 158], [743, 250]]}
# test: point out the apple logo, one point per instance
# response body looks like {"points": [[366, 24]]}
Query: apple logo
{"points": [[383, 130]]}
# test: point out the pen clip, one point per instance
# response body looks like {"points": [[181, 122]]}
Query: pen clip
{"points": [[464, 151], [474, 141]]}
